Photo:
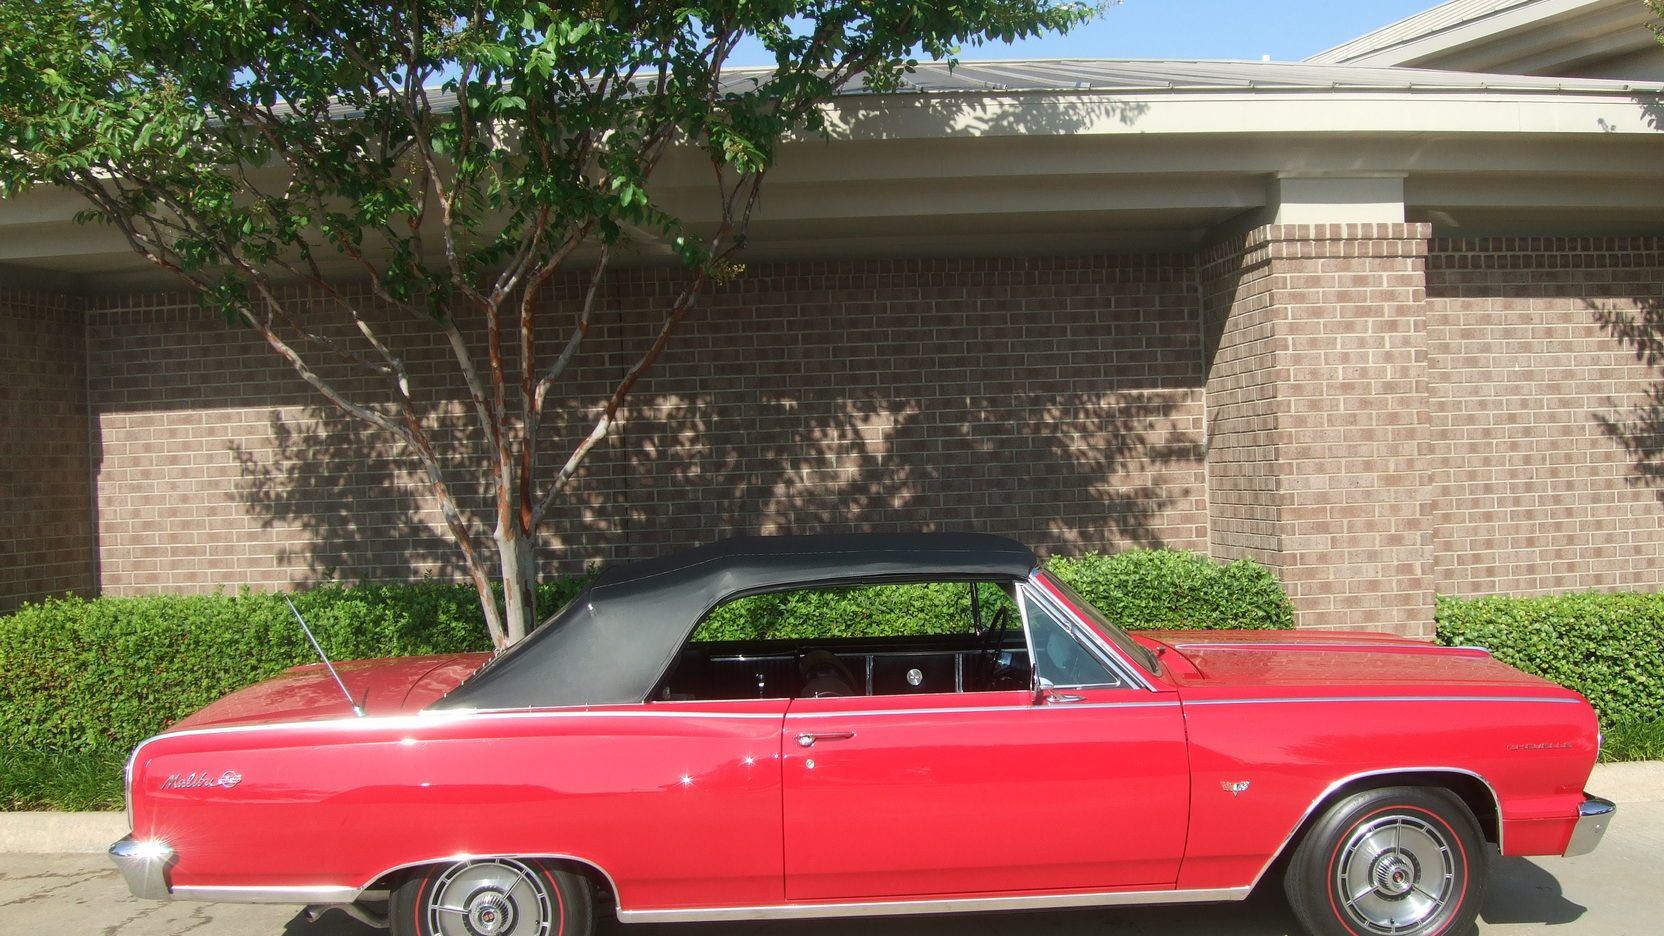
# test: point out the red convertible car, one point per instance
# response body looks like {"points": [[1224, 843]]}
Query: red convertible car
{"points": [[1029, 755]]}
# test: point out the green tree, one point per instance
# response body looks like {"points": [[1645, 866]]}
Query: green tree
{"points": [[458, 155]]}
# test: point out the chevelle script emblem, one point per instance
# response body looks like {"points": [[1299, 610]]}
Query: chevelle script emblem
{"points": [[196, 780]]}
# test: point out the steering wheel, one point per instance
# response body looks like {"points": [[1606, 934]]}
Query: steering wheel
{"points": [[988, 653]]}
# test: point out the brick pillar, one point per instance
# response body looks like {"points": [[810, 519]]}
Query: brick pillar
{"points": [[1318, 423], [46, 538]]}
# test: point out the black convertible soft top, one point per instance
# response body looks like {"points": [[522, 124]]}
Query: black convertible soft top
{"points": [[614, 641]]}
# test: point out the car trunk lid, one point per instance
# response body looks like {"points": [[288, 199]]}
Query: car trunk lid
{"points": [[308, 693]]}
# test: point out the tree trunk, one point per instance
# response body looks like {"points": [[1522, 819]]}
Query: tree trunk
{"points": [[518, 555]]}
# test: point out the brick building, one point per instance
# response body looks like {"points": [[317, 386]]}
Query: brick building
{"points": [[1391, 331]]}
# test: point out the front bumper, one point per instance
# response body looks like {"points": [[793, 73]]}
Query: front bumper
{"points": [[145, 866], [1592, 819]]}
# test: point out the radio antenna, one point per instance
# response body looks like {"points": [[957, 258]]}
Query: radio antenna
{"points": [[356, 709]]}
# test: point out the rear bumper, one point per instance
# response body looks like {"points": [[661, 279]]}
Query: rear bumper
{"points": [[1592, 819], [144, 865]]}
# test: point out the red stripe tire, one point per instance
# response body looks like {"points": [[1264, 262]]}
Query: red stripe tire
{"points": [[492, 897], [1399, 861]]}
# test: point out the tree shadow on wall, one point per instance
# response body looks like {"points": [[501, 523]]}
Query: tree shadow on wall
{"points": [[350, 493], [1638, 426], [1063, 472]]}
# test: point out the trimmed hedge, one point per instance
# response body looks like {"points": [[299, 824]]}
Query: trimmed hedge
{"points": [[105, 674], [1608, 646], [878, 611], [1165, 589]]}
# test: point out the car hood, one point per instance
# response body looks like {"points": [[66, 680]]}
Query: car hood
{"points": [[1243, 661], [308, 693]]}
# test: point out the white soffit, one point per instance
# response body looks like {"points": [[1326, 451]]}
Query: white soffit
{"points": [[1528, 37]]}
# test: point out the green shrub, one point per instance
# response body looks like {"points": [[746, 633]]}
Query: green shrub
{"points": [[1149, 589], [1142, 589], [871, 611], [105, 674], [1610, 647], [1633, 741], [66, 780]]}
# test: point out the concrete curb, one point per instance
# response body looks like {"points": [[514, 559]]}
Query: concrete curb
{"points": [[74, 832], [92, 832]]}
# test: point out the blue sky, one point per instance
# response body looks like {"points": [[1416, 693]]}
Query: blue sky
{"points": [[1287, 30]]}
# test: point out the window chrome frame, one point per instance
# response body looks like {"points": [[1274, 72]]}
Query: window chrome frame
{"points": [[1083, 634]]}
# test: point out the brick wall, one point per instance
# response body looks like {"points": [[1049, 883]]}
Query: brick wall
{"points": [[1357, 542], [1056, 400], [221, 467], [1242, 345], [1545, 401], [46, 544], [1317, 418], [1374, 422]]}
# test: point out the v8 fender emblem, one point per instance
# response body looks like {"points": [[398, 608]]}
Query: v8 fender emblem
{"points": [[1234, 787]]}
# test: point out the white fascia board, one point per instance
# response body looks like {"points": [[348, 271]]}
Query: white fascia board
{"points": [[1259, 112]]}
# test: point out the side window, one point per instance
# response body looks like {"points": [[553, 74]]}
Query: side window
{"points": [[866, 640], [1060, 659]]}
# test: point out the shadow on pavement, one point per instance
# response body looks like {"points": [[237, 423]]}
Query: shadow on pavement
{"points": [[333, 923], [1520, 892]]}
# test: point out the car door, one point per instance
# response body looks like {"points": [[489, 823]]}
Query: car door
{"points": [[1082, 788]]}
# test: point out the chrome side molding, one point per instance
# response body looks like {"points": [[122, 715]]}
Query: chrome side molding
{"points": [[945, 905], [320, 894]]}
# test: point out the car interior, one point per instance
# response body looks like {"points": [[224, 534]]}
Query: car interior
{"points": [[961, 637]]}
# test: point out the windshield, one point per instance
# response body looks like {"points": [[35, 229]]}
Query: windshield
{"points": [[1132, 648]]}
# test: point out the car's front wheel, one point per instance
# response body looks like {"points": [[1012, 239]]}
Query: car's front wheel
{"points": [[492, 897], [1400, 861]]}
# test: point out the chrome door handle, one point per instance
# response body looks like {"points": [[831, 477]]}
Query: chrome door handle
{"points": [[808, 739], [1064, 697]]}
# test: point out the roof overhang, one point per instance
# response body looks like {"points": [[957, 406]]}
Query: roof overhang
{"points": [[1045, 172]]}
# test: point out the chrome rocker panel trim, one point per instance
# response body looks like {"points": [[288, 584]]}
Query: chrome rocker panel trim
{"points": [[321, 894], [144, 865], [940, 905], [1592, 819]]}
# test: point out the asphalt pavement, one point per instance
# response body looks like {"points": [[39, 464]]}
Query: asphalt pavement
{"points": [[1613, 892]]}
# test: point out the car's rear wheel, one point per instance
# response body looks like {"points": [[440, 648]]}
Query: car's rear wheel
{"points": [[1400, 861], [492, 897]]}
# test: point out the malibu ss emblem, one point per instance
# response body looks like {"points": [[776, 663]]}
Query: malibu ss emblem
{"points": [[1234, 787], [199, 780]]}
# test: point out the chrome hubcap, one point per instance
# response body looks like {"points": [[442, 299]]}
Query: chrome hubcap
{"points": [[490, 913], [1395, 874], [499, 897]]}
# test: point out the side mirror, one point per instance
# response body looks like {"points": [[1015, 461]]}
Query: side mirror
{"points": [[1046, 694]]}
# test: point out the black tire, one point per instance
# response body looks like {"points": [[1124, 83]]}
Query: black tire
{"points": [[1399, 861], [492, 897]]}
